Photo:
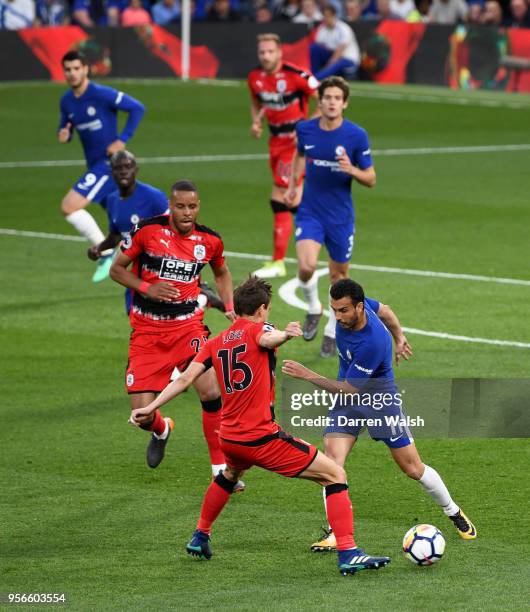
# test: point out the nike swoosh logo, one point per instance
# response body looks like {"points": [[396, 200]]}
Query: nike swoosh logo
{"points": [[394, 439], [307, 147]]}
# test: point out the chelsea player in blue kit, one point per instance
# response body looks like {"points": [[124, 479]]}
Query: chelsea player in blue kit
{"points": [[126, 206], [365, 350], [92, 111], [333, 151]]}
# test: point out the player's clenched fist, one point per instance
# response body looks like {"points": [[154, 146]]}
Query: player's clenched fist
{"points": [[293, 330], [256, 130], [65, 133], [163, 292]]}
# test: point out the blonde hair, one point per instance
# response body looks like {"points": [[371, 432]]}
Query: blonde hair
{"points": [[269, 36]]}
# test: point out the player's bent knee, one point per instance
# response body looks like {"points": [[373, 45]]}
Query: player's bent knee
{"points": [[413, 470], [70, 205], [305, 271], [226, 481]]}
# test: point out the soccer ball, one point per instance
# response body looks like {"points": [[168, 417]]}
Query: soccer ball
{"points": [[423, 544]]}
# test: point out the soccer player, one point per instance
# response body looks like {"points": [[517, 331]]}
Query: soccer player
{"points": [[333, 151], [365, 357], [243, 359], [167, 254], [279, 92], [92, 111], [125, 208]]}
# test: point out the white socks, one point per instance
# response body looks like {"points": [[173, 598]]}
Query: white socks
{"points": [[217, 468], [86, 225], [435, 487], [310, 291], [329, 330]]}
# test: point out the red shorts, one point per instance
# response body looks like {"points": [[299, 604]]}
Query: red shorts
{"points": [[153, 356], [280, 453], [280, 160]]}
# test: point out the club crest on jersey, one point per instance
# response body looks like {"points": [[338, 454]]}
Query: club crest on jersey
{"points": [[199, 251], [340, 150], [90, 111], [281, 85]]}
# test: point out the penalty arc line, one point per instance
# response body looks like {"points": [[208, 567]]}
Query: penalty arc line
{"points": [[287, 293]]}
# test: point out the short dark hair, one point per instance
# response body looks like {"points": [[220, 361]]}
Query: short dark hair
{"points": [[249, 296], [345, 287], [120, 155], [334, 81], [330, 8], [184, 185], [71, 56]]}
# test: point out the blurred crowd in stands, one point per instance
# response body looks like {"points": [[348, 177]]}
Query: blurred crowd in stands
{"points": [[16, 14]]}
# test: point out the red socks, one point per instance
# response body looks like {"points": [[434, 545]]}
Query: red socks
{"points": [[211, 421], [158, 425], [283, 226], [340, 515], [215, 500]]}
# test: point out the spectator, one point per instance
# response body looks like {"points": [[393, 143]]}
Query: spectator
{"points": [[135, 15], [474, 13], [166, 11], [520, 14], [51, 13], [309, 13], [353, 10], [448, 12], [492, 14], [384, 10], [402, 9], [16, 14], [88, 13], [220, 10], [335, 50], [262, 13], [286, 9]]}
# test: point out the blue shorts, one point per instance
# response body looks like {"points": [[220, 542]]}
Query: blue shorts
{"points": [[96, 184], [338, 237], [351, 421]]}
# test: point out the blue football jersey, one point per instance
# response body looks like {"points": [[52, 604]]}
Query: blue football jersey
{"points": [[367, 353], [124, 213], [94, 117], [327, 190]]}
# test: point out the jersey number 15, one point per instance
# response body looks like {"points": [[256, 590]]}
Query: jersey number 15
{"points": [[230, 365]]}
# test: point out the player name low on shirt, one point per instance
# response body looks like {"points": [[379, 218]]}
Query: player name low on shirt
{"points": [[393, 421]]}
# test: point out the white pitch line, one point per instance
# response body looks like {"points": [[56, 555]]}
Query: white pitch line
{"points": [[185, 159], [258, 257], [287, 293]]}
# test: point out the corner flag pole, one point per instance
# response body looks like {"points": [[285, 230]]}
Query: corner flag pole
{"points": [[185, 36]]}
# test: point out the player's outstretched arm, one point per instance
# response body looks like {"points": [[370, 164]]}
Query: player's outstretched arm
{"points": [[225, 288], [111, 241], [297, 370], [274, 338], [176, 387], [389, 318]]}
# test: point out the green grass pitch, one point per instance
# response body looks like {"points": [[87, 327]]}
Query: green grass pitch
{"points": [[81, 512]]}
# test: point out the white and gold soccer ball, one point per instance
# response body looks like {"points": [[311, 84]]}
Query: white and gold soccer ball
{"points": [[423, 544]]}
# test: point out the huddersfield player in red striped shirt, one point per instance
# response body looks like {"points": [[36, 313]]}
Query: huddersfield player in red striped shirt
{"points": [[280, 92], [167, 254], [243, 358]]}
